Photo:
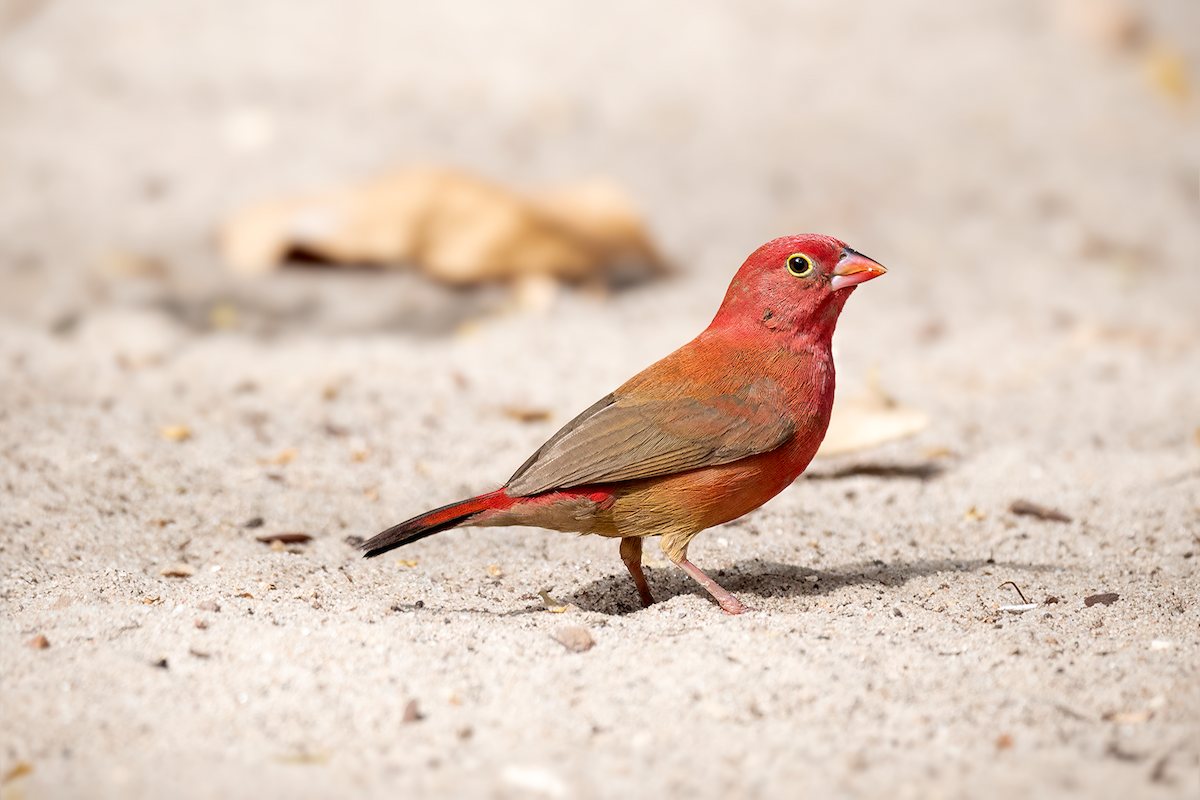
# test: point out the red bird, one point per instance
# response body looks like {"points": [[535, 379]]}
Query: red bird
{"points": [[705, 435]]}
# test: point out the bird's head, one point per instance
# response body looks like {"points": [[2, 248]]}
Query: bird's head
{"points": [[796, 285]]}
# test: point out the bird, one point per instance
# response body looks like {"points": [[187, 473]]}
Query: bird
{"points": [[703, 436]]}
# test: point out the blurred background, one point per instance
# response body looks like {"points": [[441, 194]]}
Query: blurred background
{"points": [[1022, 147]]}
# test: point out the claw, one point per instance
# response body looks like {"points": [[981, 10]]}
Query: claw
{"points": [[728, 602]]}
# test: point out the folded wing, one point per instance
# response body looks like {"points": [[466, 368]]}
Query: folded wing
{"points": [[621, 439]]}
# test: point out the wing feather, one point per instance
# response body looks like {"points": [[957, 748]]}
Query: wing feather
{"points": [[622, 439]]}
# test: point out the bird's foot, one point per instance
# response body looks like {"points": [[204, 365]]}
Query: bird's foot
{"points": [[731, 604], [728, 602]]}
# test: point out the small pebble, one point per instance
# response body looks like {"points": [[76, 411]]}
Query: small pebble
{"points": [[574, 638]]}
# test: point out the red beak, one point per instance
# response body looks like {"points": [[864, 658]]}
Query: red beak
{"points": [[853, 269]]}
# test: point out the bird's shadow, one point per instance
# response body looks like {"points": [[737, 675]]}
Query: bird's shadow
{"points": [[616, 595]]}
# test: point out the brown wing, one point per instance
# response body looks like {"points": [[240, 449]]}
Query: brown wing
{"points": [[619, 439]]}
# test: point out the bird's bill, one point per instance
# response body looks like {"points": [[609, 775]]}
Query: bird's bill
{"points": [[853, 269]]}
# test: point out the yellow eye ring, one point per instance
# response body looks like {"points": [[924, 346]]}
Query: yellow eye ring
{"points": [[799, 265]]}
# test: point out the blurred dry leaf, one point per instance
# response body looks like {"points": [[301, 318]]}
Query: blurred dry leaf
{"points": [[19, 769], [1026, 508], [285, 456], [535, 292], [223, 316], [524, 414], [870, 419], [456, 227], [407, 562], [304, 757], [175, 433], [1167, 72], [1106, 23], [125, 264], [285, 538], [178, 571]]}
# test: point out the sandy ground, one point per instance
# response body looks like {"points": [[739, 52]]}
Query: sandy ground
{"points": [[1029, 181]]}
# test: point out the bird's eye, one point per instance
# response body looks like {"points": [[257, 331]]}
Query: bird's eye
{"points": [[799, 265]]}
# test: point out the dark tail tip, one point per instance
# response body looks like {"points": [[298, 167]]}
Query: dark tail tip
{"points": [[410, 531]]}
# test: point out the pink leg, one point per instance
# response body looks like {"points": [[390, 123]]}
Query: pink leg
{"points": [[631, 554], [728, 602]]}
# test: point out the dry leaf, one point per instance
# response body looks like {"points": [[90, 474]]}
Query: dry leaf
{"points": [[1026, 508], [285, 538], [552, 605], [407, 562], [871, 419], [1106, 598], [456, 227], [175, 433], [179, 571]]}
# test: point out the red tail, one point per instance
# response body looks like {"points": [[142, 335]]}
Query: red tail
{"points": [[436, 521]]}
